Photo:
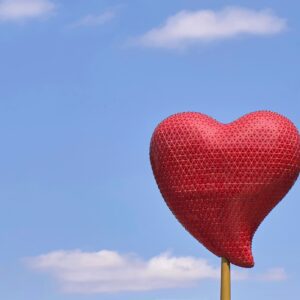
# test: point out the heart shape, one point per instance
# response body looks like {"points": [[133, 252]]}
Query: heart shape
{"points": [[222, 180]]}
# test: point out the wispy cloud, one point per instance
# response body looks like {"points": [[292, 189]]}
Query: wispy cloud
{"points": [[274, 274], [96, 20], [188, 27], [111, 272], [20, 10]]}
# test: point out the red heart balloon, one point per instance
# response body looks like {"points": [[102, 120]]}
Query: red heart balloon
{"points": [[222, 180]]}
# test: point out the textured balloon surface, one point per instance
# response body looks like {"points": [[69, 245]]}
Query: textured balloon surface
{"points": [[222, 180]]}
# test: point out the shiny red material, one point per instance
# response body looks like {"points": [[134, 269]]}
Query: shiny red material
{"points": [[222, 180]]}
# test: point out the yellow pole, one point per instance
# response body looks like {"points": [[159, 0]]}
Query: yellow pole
{"points": [[225, 279]]}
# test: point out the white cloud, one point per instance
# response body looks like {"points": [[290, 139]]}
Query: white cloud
{"points": [[19, 10], [96, 20], [187, 27], [110, 272]]}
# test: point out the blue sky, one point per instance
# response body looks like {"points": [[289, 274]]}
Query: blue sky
{"points": [[82, 86]]}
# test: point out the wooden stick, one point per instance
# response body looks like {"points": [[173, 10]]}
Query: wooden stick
{"points": [[225, 279]]}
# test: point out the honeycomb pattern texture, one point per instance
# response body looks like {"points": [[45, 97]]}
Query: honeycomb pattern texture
{"points": [[222, 180]]}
